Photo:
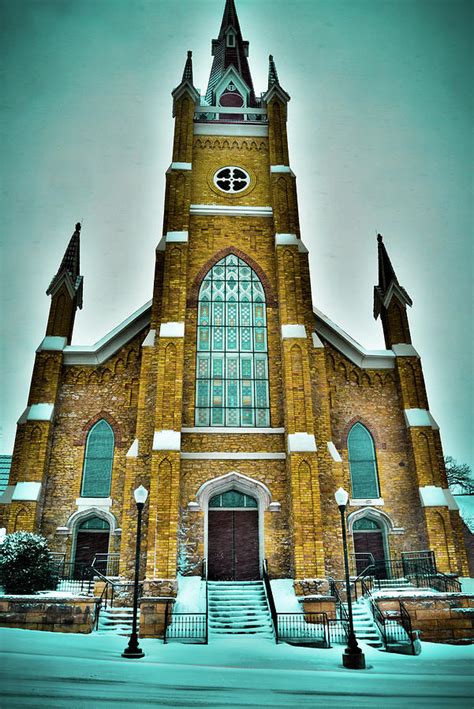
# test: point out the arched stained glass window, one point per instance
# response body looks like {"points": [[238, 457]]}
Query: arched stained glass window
{"points": [[98, 460], [362, 463], [231, 499], [232, 355]]}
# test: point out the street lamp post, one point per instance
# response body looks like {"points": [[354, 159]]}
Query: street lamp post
{"points": [[133, 650], [353, 657]]}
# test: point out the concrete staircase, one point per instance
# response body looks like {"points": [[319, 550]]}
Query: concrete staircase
{"points": [[117, 621], [364, 624], [238, 608], [395, 585]]}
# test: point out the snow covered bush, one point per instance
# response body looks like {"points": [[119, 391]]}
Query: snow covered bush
{"points": [[25, 564]]}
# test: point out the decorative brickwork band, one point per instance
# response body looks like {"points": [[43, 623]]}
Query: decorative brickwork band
{"points": [[119, 443]]}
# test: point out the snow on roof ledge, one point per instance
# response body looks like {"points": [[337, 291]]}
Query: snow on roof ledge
{"points": [[26, 492], [40, 412], [434, 496], [52, 344], [112, 342], [167, 441], [420, 417], [366, 359], [334, 453], [301, 443]]}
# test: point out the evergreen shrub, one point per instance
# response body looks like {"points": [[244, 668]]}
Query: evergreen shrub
{"points": [[25, 564]]}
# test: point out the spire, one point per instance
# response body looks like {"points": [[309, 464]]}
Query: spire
{"points": [[188, 69], [390, 300], [69, 269], [386, 272], [272, 72], [229, 49]]}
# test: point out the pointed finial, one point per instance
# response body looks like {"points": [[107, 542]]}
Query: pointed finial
{"points": [[188, 68], [78, 227], [272, 72], [379, 238]]}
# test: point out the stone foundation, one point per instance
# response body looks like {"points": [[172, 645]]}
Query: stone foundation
{"points": [[441, 618], [71, 615], [153, 611], [319, 604]]}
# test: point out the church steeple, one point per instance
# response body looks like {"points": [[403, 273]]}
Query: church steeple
{"points": [[390, 301], [66, 290], [230, 49]]}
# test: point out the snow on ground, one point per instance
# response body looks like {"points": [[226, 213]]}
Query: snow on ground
{"points": [[191, 596], [284, 596], [41, 669]]}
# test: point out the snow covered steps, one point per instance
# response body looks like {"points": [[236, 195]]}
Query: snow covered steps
{"points": [[238, 608], [364, 624], [115, 620]]}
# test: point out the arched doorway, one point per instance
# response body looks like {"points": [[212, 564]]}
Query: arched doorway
{"points": [[92, 538], [233, 537], [369, 545]]}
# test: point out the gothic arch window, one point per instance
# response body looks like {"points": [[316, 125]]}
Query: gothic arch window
{"points": [[362, 463], [98, 460], [232, 354]]}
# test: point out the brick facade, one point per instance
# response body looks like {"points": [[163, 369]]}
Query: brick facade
{"points": [[146, 387]]}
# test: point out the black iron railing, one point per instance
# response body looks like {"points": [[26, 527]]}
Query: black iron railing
{"points": [[395, 627], [107, 564], [270, 599], [304, 628], [186, 627], [417, 572], [71, 576]]}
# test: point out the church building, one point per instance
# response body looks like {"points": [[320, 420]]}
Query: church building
{"points": [[238, 405]]}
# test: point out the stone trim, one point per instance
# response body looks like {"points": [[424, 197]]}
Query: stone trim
{"points": [[420, 417], [231, 129], [346, 345], [301, 442], [133, 450], [317, 343], [40, 412], [290, 240], [149, 340], [93, 511], [119, 443], [281, 168], [333, 452], [213, 455], [206, 210], [194, 291], [172, 329], [359, 502], [370, 513], [26, 492], [112, 342], [177, 237], [402, 350], [52, 343], [293, 331], [228, 430], [181, 166], [167, 440]]}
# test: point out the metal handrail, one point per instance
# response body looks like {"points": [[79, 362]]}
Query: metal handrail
{"points": [[344, 615], [298, 626], [207, 606], [270, 599]]}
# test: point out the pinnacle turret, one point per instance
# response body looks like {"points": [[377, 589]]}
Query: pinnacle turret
{"points": [[272, 72], [390, 300], [188, 69], [69, 269]]}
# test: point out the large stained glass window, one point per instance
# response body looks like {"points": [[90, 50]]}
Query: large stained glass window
{"points": [[232, 354], [362, 463], [98, 461]]}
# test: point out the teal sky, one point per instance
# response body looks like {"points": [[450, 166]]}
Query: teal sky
{"points": [[380, 134]]}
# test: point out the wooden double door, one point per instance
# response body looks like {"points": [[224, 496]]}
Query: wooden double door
{"points": [[367, 544], [233, 545]]}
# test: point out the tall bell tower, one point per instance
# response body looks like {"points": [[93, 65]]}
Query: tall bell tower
{"points": [[226, 386]]}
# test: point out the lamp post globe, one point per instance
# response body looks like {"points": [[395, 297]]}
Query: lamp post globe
{"points": [[133, 649], [353, 658]]}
